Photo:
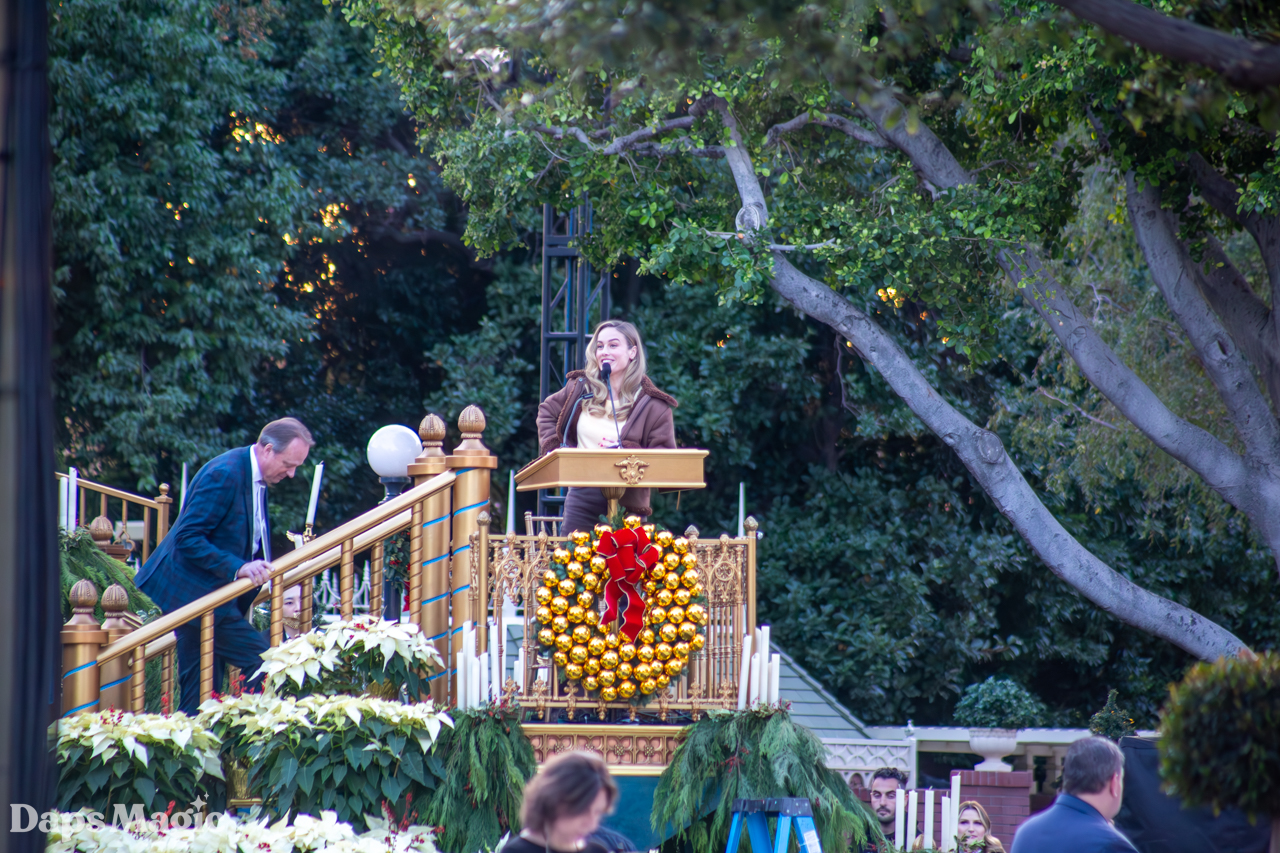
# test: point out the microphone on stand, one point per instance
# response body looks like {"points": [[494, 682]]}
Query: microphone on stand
{"points": [[605, 370]]}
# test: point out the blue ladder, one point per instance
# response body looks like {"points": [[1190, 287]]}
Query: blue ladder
{"points": [[790, 811]]}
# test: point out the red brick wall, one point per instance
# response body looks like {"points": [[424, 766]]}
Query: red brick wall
{"points": [[1005, 796]]}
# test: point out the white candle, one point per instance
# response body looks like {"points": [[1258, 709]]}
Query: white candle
{"points": [[913, 812], [482, 683], [955, 801], [742, 509], [753, 695], [511, 503], [899, 819], [744, 675], [473, 684], [764, 642], [944, 843], [775, 674], [518, 675], [62, 502], [73, 495], [928, 819], [463, 664], [182, 495], [316, 477], [495, 660]]}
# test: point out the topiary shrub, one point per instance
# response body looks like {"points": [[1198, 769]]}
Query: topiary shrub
{"points": [[998, 703], [1220, 737], [1112, 722]]}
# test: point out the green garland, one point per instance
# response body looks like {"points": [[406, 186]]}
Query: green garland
{"points": [[81, 559], [482, 763], [753, 754]]}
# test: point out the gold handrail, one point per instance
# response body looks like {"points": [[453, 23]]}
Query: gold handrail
{"points": [[111, 491], [307, 561], [160, 505]]}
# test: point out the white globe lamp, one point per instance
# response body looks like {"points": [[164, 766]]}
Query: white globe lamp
{"points": [[390, 452]]}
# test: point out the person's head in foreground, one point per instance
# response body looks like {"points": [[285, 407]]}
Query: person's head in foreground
{"points": [[564, 803], [974, 829], [885, 784], [292, 611], [1094, 772]]}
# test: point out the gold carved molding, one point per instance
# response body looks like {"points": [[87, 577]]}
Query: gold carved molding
{"points": [[631, 469], [627, 750]]}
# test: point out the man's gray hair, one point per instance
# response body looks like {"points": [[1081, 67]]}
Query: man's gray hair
{"points": [[280, 434], [1090, 764]]}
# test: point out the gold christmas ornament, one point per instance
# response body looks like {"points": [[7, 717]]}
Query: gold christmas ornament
{"points": [[662, 651], [648, 686], [664, 538], [697, 642], [644, 670], [561, 556], [627, 689], [573, 671], [608, 694], [581, 634], [586, 599], [579, 537], [697, 614], [560, 659], [582, 553], [564, 642], [566, 588], [596, 646], [650, 602], [609, 659], [559, 605], [592, 666], [674, 667], [601, 529], [687, 631], [671, 561], [676, 615], [625, 671], [671, 580], [689, 561], [544, 615], [595, 545], [663, 681], [626, 651], [648, 530], [550, 579], [574, 570], [657, 615], [591, 682], [691, 578], [645, 653], [598, 564], [631, 522], [683, 597], [667, 633], [650, 587], [578, 654], [681, 650], [613, 639], [576, 614], [590, 581], [680, 545], [607, 676], [560, 624], [696, 590], [593, 617], [547, 637], [543, 595], [664, 597], [658, 571], [646, 636]]}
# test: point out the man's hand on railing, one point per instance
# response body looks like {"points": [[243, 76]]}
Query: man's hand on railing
{"points": [[258, 571]]}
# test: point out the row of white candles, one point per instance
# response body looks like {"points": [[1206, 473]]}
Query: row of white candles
{"points": [[758, 678], [906, 814], [68, 499], [479, 675]]}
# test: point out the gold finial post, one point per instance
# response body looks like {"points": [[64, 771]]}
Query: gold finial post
{"points": [[82, 640], [162, 517], [115, 689], [429, 543]]}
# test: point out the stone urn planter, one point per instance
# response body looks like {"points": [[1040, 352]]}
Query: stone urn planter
{"points": [[993, 745]]}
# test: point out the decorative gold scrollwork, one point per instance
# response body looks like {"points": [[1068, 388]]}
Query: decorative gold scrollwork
{"points": [[631, 469]]}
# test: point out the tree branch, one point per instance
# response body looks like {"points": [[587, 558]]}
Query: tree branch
{"points": [[831, 120], [1224, 197], [1247, 318], [622, 143], [930, 157], [1248, 64], [1223, 361]]}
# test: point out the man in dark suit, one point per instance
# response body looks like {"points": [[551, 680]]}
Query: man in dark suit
{"points": [[223, 534], [1080, 819]]}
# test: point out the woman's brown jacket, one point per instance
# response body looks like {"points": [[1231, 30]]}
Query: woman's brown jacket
{"points": [[650, 424]]}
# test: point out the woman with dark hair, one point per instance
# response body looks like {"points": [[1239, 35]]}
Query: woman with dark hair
{"points": [[581, 415], [563, 806]]}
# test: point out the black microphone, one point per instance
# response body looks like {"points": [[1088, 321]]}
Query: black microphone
{"points": [[605, 370]]}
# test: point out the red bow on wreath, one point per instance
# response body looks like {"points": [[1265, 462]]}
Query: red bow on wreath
{"points": [[628, 553]]}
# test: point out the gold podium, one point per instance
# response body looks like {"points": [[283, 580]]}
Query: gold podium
{"points": [[614, 471]]}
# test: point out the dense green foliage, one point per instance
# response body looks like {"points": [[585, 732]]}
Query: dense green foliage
{"points": [[1220, 735], [753, 754], [1112, 722], [81, 559], [483, 763], [998, 703]]}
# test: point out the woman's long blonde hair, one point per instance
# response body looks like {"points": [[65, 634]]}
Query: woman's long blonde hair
{"points": [[990, 843], [626, 388]]}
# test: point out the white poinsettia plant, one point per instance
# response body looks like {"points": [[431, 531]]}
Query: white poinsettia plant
{"points": [[190, 832], [366, 655]]}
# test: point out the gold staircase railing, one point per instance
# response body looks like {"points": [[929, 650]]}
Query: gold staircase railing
{"points": [[159, 505], [104, 665]]}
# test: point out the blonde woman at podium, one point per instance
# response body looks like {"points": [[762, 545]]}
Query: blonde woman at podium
{"points": [[580, 415]]}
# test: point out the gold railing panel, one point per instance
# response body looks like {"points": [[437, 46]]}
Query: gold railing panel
{"points": [[159, 505]]}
